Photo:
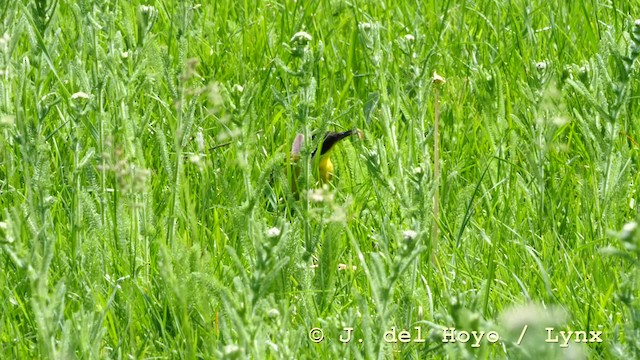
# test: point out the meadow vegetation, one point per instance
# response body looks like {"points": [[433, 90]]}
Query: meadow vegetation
{"points": [[145, 213]]}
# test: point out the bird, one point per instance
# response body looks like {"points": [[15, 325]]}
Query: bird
{"points": [[325, 168]]}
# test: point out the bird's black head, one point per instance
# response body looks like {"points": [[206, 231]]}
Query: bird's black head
{"points": [[331, 138]]}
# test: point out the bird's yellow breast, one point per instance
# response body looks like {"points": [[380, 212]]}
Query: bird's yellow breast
{"points": [[325, 168]]}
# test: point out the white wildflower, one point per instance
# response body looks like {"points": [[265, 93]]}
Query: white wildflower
{"points": [[147, 9], [438, 79], [238, 88], [342, 267], [195, 158], [80, 95], [231, 350], [273, 313], [273, 232], [316, 196], [409, 234], [301, 36]]}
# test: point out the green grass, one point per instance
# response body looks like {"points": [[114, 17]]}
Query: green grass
{"points": [[144, 211]]}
